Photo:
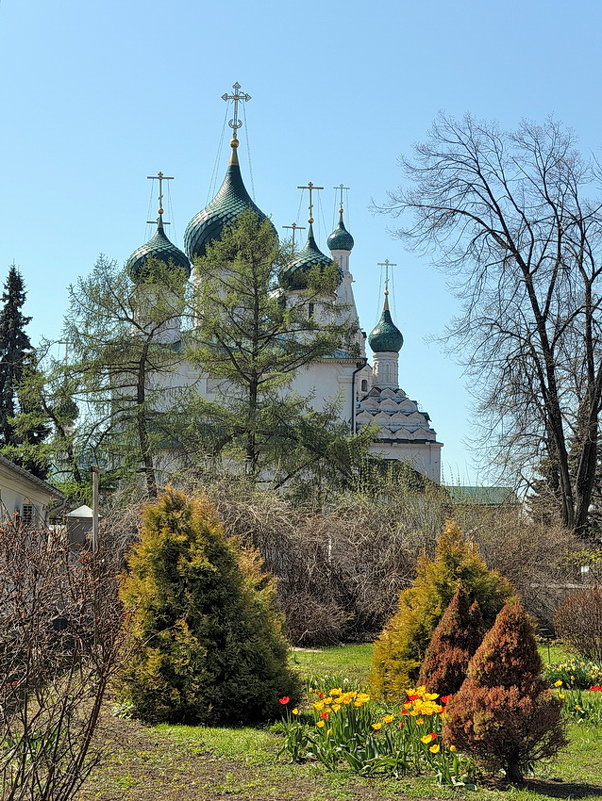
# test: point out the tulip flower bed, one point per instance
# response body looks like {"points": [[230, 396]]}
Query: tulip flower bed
{"points": [[581, 706], [346, 728], [575, 674]]}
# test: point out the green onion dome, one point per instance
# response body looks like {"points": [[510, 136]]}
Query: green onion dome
{"points": [[231, 200], [160, 249], [385, 336], [294, 275], [340, 238]]}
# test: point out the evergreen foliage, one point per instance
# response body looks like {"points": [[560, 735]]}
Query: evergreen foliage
{"points": [[22, 430], [401, 647], [455, 640], [252, 337], [207, 640], [118, 362], [14, 346], [504, 715]]}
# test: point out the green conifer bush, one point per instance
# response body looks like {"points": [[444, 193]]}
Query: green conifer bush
{"points": [[207, 641], [401, 647], [505, 715], [455, 640]]}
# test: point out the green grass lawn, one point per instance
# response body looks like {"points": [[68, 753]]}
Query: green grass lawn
{"points": [[352, 661], [185, 763]]}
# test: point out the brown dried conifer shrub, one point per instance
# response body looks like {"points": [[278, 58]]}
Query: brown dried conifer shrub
{"points": [[455, 640], [504, 715]]}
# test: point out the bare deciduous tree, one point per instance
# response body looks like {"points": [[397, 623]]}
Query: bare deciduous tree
{"points": [[507, 216], [60, 622]]}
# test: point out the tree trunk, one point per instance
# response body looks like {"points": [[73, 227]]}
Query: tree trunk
{"points": [[514, 775], [251, 450], [143, 437]]}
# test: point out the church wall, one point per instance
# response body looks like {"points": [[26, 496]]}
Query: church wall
{"points": [[323, 382], [423, 457]]}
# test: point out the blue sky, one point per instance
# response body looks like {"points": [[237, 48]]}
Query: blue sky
{"points": [[98, 95]]}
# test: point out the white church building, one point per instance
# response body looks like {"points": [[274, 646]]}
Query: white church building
{"points": [[366, 393]]}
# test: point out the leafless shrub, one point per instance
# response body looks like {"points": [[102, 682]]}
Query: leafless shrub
{"points": [[59, 639], [339, 570], [360, 553], [536, 557], [579, 622]]}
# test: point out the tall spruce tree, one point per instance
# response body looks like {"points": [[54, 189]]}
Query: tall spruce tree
{"points": [[21, 430], [15, 347]]}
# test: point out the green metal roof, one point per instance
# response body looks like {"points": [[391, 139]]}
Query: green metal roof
{"points": [[294, 275], [385, 336], [483, 496], [208, 225], [159, 248], [340, 238]]}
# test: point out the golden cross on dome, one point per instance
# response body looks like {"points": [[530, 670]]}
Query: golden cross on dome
{"points": [[310, 188], [160, 177], [235, 123], [294, 228], [341, 189], [386, 264]]}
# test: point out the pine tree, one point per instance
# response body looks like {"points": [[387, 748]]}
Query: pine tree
{"points": [[401, 647], [207, 641], [504, 714], [454, 642]]}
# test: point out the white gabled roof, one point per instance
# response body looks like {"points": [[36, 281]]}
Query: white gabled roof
{"points": [[38, 482]]}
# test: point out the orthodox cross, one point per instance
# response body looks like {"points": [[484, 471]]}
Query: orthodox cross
{"points": [[295, 227], [66, 343], [386, 264], [235, 123], [160, 177], [310, 187], [341, 189]]}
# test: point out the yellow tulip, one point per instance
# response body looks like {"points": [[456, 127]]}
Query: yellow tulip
{"points": [[434, 749], [320, 724], [377, 726], [295, 711], [388, 719]]}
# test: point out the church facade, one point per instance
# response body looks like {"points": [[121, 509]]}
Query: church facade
{"points": [[365, 394]]}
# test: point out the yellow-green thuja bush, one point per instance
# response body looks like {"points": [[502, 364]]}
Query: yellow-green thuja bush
{"points": [[401, 647], [206, 641]]}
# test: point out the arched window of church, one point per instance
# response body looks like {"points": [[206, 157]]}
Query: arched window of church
{"points": [[364, 385]]}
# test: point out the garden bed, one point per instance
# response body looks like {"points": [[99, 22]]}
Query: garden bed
{"points": [[202, 764]]}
